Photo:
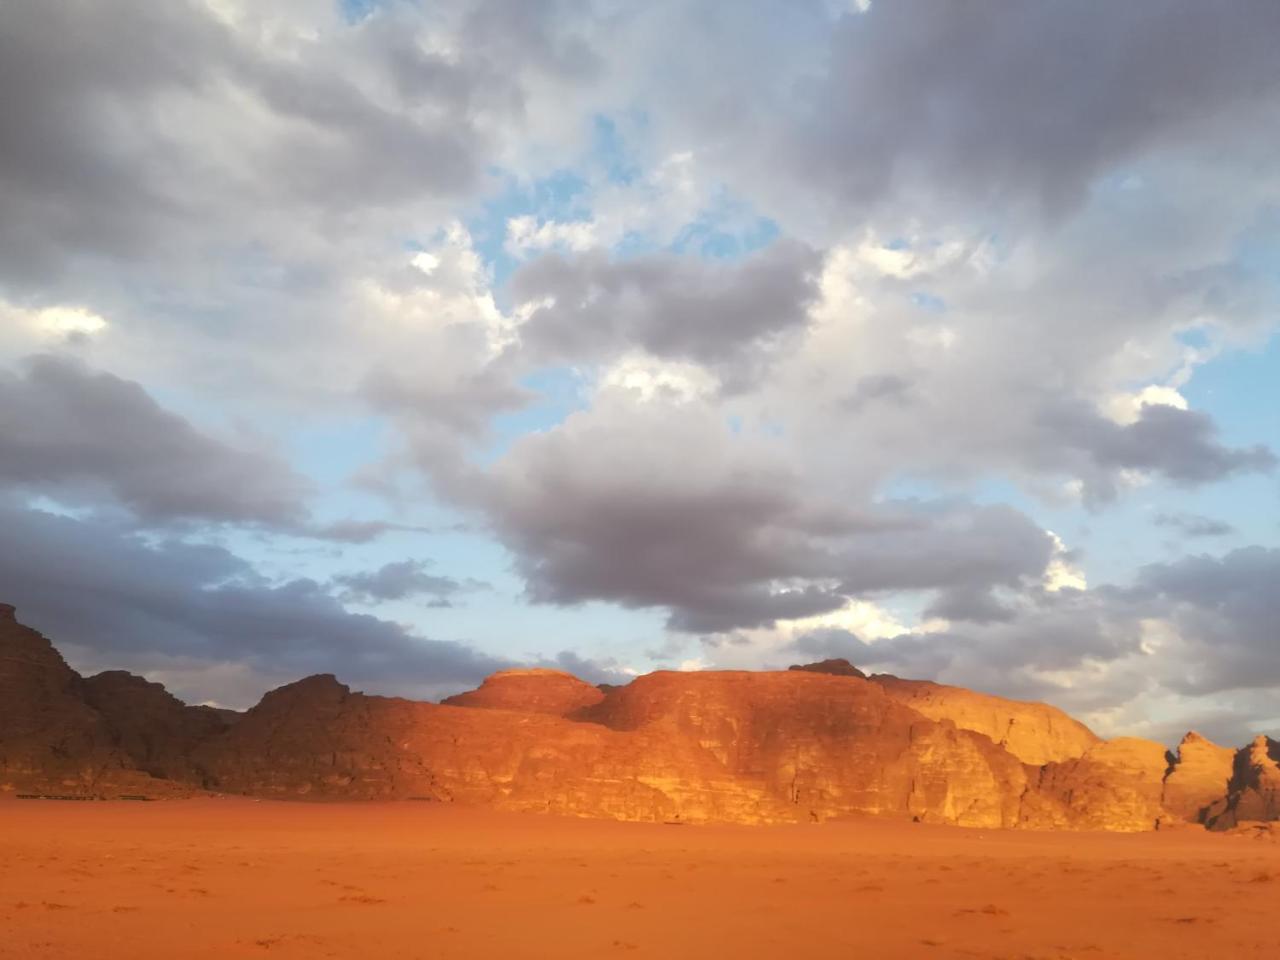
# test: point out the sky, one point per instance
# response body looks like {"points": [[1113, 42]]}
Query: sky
{"points": [[412, 341]]}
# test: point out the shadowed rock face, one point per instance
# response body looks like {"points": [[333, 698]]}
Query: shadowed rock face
{"points": [[836, 666], [1253, 793], [746, 747], [156, 730], [51, 739]]}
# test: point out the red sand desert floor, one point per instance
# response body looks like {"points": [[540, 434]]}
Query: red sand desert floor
{"points": [[237, 878]]}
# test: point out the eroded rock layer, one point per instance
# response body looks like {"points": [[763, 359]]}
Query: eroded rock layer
{"points": [[531, 691], [1253, 793], [1035, 733], [736, 746], [51, 739], [1198, 778]]}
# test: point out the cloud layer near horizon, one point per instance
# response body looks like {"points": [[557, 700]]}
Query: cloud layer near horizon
{"points": [[874, 328]]}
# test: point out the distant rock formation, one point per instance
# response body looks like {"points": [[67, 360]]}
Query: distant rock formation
{"points": [[1035, 733], [1116, 785], [152, 727], [807, 744], [1253, 793], [836, 666], [51, 739], [1198, 778], [533, 690]]}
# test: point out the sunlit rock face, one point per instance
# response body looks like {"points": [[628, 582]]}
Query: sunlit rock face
{"points": [[735, 746], [1198, 778], [1116, 785], [316, 739], [531, 691], [826, 745], [1035, 733], [1253, 793], [729, 746]]}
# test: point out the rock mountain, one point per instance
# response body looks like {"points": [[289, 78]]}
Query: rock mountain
{"points": [[809, 744]]}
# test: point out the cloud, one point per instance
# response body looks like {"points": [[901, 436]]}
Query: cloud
{"points": [[1180, 444], [1223, 611], [876, 388], [400, 580], [73, 433], [1153, 657], [670, 306], [663, 505], [586, 668], [945, 105], [968, 604], [1194, 525], [260, 207], [129, 601], [143, 133]]}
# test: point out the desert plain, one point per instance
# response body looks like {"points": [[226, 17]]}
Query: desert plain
{"points": [[235, 877]]}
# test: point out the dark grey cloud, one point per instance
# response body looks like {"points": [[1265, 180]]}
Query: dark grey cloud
{"points": [[71, 178], [1181, 445], [77, 434], [135, 602], [909, 655], [403, 579], [663, 509], [356, 531], [1194, 525], [1186, 631], [970, 605], [1029, 104], [877, 388], [1042, 638], [140, 130], [671, 306], [1226, 610], [954, 546], [452, 402]]}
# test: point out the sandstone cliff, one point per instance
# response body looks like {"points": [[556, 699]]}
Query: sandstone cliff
{"points": [[155, 730], [1035, 733], [51, 739], [743, 747], [1116, 785], [531, 691], [1253, 793], [1199, 773], [747, 747], [836, 666]]}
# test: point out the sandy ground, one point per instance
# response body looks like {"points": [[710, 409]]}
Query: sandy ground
{"points": [[235, 878]]}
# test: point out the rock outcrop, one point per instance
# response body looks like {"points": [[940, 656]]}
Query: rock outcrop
{"points": [[51, 739], [1035, 733], [531, 691], [1116, 785], [836, 667], [804, 744], [1253, 793], [1198, 778], [737, 746], [153, 728]]}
